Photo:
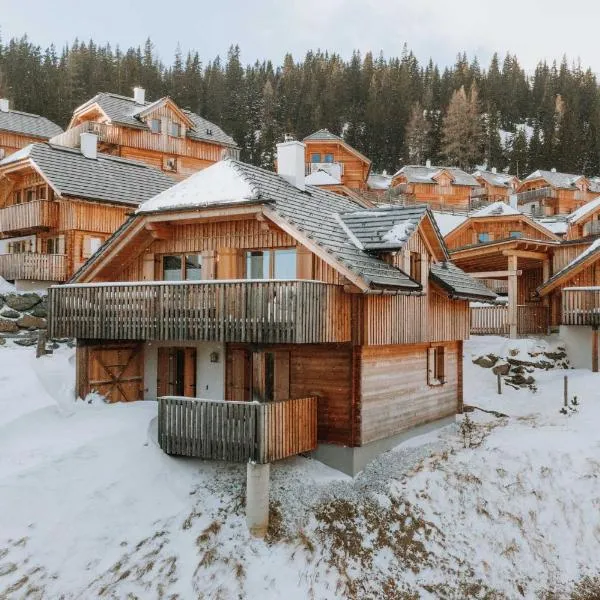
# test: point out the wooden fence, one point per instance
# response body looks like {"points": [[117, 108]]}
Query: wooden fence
{"points": [[237, 431], [33, 266], [581, 306], [39, 214], [286, 311], [532, 319], [493, 320]]}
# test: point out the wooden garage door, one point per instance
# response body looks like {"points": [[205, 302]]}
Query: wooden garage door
{"points": [[116, 372]]}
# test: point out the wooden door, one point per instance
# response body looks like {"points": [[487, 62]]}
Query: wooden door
{"points": [[176, 373], [116, 372]]}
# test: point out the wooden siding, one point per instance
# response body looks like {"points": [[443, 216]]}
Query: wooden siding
{"points": [[556, 201], [581, 307], [237, 431], [257, 311], [489, 320], [11, 142], [451, 196], [565, 253], [395, 395], [33, 266], [29, 216]]}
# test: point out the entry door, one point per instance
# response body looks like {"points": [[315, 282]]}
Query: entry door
{"points": [[176, 372], [270, 375]]}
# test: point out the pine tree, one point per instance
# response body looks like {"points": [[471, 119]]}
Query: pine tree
{"points": [[417, 136]]}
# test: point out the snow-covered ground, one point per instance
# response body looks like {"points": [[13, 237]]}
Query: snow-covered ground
{"points": [[91, 508]]}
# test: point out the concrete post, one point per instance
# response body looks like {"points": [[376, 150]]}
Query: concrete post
{"points": [[257, 498]]}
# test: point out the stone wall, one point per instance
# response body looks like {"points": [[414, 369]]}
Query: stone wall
{"points": [[21, 317]]}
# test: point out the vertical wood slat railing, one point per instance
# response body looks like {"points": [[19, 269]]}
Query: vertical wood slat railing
{"points": [[237, 431], [581, 306], [38, 214], [489, 320], [33, 266], [273, 311], [532, 319]]}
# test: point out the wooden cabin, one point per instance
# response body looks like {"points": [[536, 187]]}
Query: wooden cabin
{"points": [[498, 186], [585, 221], [58, 205], [440, 187], [347, 168], [159, 133], [19, 129], [511, 253], [547, 193], [241, 284], [573, 293]]}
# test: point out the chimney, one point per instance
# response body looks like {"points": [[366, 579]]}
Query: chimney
{"points": [[512, 201], [494, 170], [290, 162], [553, 170], [4, 105], [88, 143], [139, 95], [428, 163]]}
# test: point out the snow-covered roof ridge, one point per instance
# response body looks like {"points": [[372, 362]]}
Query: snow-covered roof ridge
{"points": [[427, 174], [582, 211], [495, 179], [496, 209]]}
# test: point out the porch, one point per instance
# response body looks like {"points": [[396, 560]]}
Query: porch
{"points": [[581, 306]]}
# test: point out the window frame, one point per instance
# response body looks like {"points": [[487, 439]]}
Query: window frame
{"points": [[158, 130], [183, 269], [436, 365], [416, 266], [172, 126], [315, 157], [272, 253], [487, 236]]}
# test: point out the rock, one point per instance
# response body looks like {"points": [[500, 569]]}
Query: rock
{"points": [[7, 326], [9, 313], [31, 322], [521, 380], [555, 355], [22, 302], [25, 341], [487, 362], [1, 301], [501, 369], [542, 364], [2, 341], [41, 310]]}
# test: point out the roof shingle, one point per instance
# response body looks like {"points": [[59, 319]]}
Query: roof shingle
{"points": [[28, 124]]}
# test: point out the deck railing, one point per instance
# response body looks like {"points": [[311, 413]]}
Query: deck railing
{"points": [[237, 431], [39, 214], [71, 137], [532, 319], [581, 306], [267, 311], [493, 320], [530, 195], [33, 266]]}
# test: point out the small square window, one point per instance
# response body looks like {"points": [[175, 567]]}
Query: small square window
{"points": [[328, 158], [155, 125], [172, 268], [515, 235], [170, 164], [483, 237], [315, 157], [175, 129]]}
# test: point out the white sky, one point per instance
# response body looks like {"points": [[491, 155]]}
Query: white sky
{"points": [[533, 29]]}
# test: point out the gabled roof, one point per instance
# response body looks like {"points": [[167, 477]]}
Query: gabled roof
{"points": [[496, 179], [588, 256], [460, 284], [556, 225], [565, 181], [324, 135], [105, 178], [496, 209], [386, 228], [28, 124], [424, 174], [583, 211], [125, 111], [379, 181]]}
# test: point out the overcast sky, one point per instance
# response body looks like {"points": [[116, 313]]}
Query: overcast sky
{"points": [[533, 29]]}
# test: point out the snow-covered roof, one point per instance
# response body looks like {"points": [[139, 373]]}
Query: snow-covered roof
{"points": [[324, 135], [565, 181], [447, 222], [496, 179], [584, 210], [425, 174], [379, 181], [555, 226], [321, 177], [496, 209]]}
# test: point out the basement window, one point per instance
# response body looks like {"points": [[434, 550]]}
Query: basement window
{"points": [[436, 365]]}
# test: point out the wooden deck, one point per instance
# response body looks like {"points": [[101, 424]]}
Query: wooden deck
{"points": [[29, 216], [33, 266], [581, 306], [237, 431], [268, 311]]}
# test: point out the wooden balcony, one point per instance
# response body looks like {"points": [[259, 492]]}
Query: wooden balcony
{"points": [[237, 431], [267, 311], [581, 306], [29, 216], [532, 195], [33, 266]]}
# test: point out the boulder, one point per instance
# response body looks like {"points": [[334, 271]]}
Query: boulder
{"points": [[31, 322], [25, 341], [487, 362], [501, 369], [22, 302], [521, 380], [9, 313], [41, 310], [2, 341], [7, 326]]}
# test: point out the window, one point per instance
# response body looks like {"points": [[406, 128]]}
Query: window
{"points": [[315, 157], [42, 192], [436, 365], [30, 195], [155, 125], [328, 158], [182, 268], [193, 267], [515, 235], [172, 268], [175, 129], [90, 245], [483, 237], [271, 264], [20, 247], [55, 245], [170, 164], [50, 246], [17, 197], [415, 266]]}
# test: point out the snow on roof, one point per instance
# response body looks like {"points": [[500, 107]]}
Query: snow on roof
{"points": [[560, 180], [400, 232], [496, 209], [496, 179], [556, 226], [447, 222], [221, 183], [422, 173], [321, 177], [379, 181], [582, 211], [591, 249]]}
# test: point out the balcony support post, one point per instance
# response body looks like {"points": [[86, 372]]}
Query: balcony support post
{"points": [[512, 297], [595, 349], [257, 498]]}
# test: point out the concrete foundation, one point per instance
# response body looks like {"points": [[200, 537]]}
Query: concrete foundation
{"points": [[33, 285], [578, 342], [257, 498], [353, 460]]}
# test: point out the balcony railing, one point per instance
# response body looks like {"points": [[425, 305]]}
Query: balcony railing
{"points": [[532, 319], [591, 228], [268, 311], [29, 216], [237, 431], [531, 195], [335, 169], [581, 306], [71, 137], [33, 266]]}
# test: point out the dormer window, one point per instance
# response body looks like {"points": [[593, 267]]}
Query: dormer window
{"points": [[155, 125], [328, 158], [483, 237], [175, 129], [315, 157]]}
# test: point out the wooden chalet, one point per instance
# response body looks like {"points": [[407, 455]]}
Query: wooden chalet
{"points": [[19, 129], [548, 193], [585, 221], [440, 187], [512, 254], [573, 293], [159, 133], [343, 324], [58, 205], [498, 186], [335, 165]]}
